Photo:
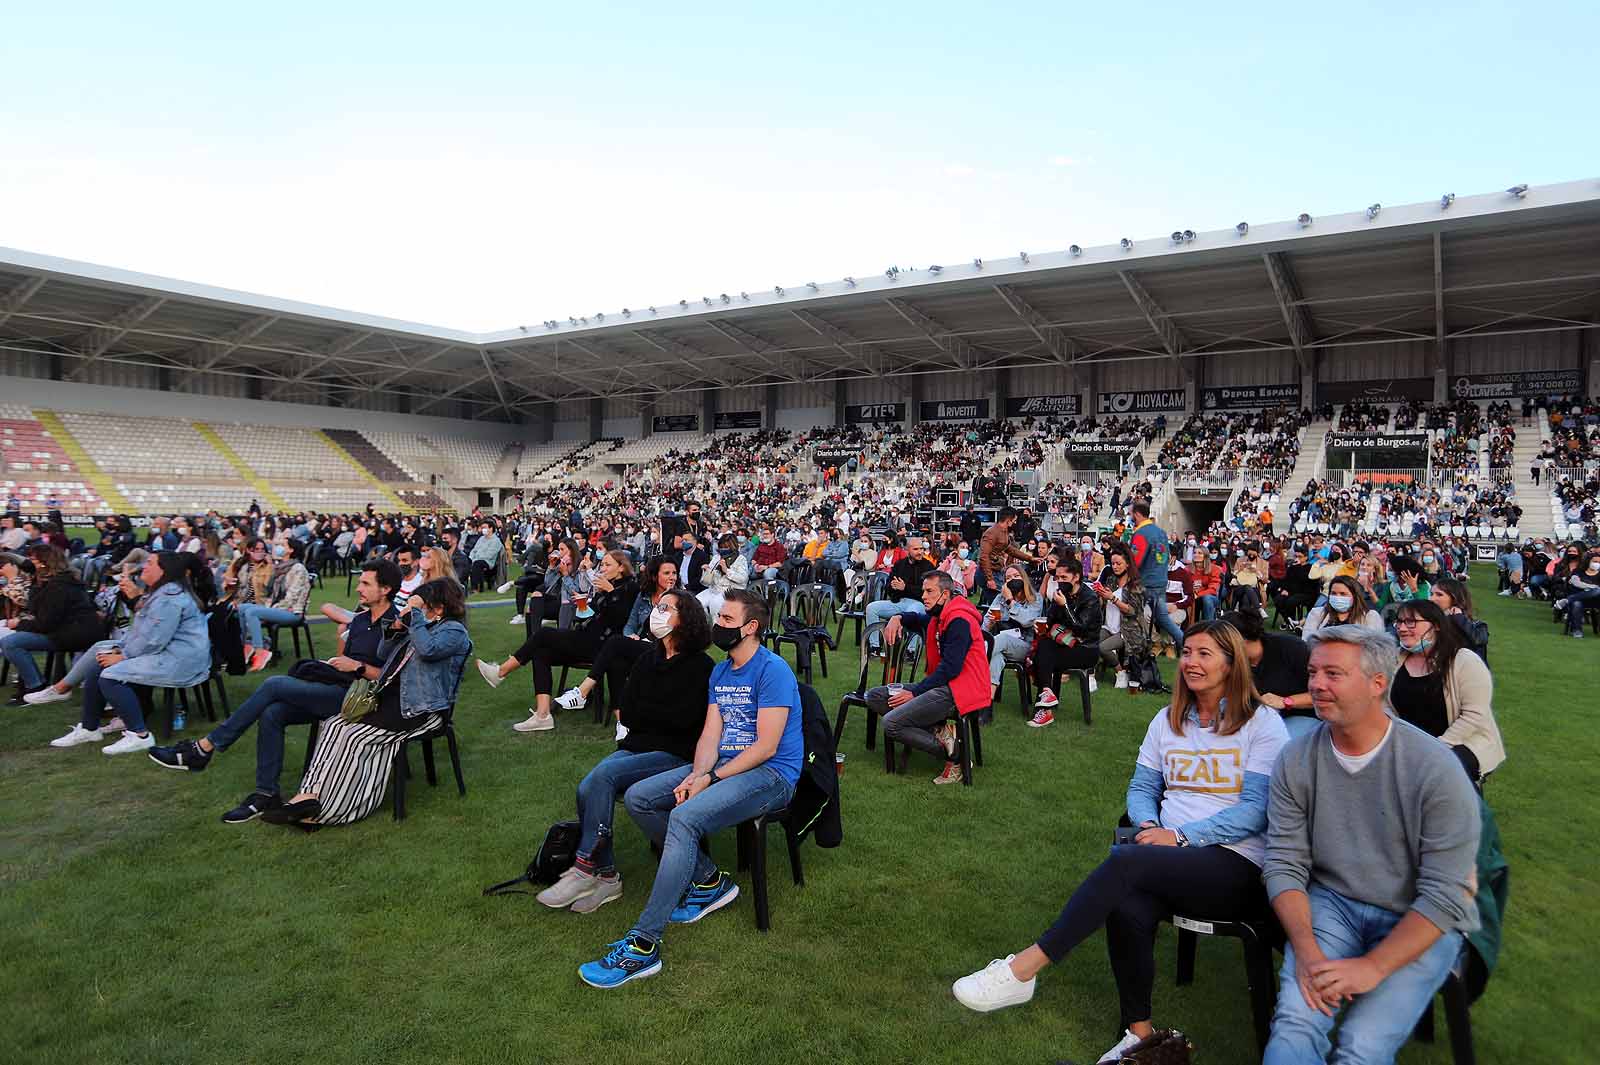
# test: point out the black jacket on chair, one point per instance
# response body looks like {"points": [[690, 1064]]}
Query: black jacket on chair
{"points": [[815, 806]]}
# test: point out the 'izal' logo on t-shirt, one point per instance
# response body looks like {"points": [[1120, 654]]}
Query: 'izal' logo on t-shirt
{"points": [[1214, 771]]}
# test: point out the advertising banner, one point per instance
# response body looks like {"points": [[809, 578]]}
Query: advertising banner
{"points": [[871, 413], [1516, 385], [1100, 448], [737, 419], [1246, 397], [1043, 406], [1377, 441], [674, 423], [837, 457], [1390, 391], [954, 410], [1161, 401]]}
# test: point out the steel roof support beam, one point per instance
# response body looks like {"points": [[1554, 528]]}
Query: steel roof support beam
{"points": [[13, 301], [1295, 318], [1060, 346], [1165, 331], [319, 360], [608, 362], [691, 357], [214, 351], [494, 379], [390, 379], [859, 351], [758, 348], [100, 339], [955, 347], [442, 396]]}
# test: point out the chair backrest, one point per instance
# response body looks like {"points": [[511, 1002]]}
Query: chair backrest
{"points": [[811, 604], [877, 588]]}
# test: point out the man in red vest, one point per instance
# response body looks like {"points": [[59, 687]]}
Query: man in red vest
{"points": [[957, 680]]}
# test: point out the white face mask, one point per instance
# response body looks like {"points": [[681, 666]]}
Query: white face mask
{"points": [[1340, 603], [660, 623]]}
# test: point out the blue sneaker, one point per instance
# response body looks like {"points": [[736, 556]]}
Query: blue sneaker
{"points": [[702, 899], [626, 959]]}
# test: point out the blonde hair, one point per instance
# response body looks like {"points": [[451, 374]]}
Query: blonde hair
{"points": [[1027, 585], [1238, 688], [440, 568]]}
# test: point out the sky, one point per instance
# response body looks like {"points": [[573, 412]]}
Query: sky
{"points": [[487, 165]]}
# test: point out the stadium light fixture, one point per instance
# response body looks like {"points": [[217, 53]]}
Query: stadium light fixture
{"points": [[777, 290], [1075, 250], [893, 273], [1372, 212], [1519, 191], [977, 264], [572, 320], [726, 298], [1188, 236], [850, 281], [626, 313], [706, 300], [652, 310], [812, 285], [683, 305], [1242, 228], [1446, 200], [1127, 245], [1024, 257], [1304, 220], [1177, 236], [936, 269], [600, 316]]}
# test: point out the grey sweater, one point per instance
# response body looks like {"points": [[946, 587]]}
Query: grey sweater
{"points": [[1401, 834]]}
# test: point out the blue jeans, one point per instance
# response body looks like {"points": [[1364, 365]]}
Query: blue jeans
{"points": [[1577, 602], [1299, 724], [883, 610], [678, 830], [1377, 1024], [278, 703], [99, 692], [251, 616], [1163, 620], [597, 798], [1208, 607], [19, 649]]}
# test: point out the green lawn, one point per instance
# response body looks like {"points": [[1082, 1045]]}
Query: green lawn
{"points": [[139, 928]]}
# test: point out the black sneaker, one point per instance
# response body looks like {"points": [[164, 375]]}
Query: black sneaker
{"points": [[186, 755], [254, 805]]}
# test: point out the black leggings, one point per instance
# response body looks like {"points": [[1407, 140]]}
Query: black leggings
{"points": [[614, 662], [534, 584], [1050, 659], [559, 647], [1137, 887]]}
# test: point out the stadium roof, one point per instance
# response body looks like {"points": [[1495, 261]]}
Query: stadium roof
{"points": [[1522, 260]]}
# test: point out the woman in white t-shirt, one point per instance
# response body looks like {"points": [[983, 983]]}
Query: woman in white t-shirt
{"points": [[1199, 798]]}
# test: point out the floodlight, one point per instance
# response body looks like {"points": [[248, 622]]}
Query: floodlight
{"points": [[850, 281], [935, 269], [683, 305], [1446, 200], [977, 264], [1519, 191], [1075, 250], [1024, 257], [812, 285], [1188, 235], [1127, 245], [1372, 212], [626, 313], [778, 289], [1304, 220], [1177, 236], [726, 298], [1242, 228]]}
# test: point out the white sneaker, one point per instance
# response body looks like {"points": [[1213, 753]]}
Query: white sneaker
{"points": [[536, 723], [490, 673], [1122, 679], [78, 735], [506, 587], [994, 987], [130, 741], [47, 694], [622, 732], [114, 725], [1094, 685], [1115, 1053], [517, 619], [571, 699]]}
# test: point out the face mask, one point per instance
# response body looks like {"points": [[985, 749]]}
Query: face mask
{"points": [[1427, 560], [660, 624], [1417, 648], [1015, 586], [599, 553], [1341, 603], [933, 611], [1594, 567], [726, 637], [963, 552], [727, 554], [278, 550], [1088, 549]]}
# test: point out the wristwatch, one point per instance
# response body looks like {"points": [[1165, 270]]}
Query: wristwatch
{"points": [[711, 777], [1183, 841]]}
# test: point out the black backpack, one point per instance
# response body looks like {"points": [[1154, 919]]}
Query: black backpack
{"points": [[555, 856], [1143, 668]]}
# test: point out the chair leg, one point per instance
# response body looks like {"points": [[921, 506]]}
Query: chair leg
{"points": [[1187, 941], [872, 732], [964, 748], [1263, 989], [1458, 1016], [311, 746], [758, 876], [294, 632], [311, 648], [167, 703], [455, 759], [888, 754], [1423, 1032], [977, 742], [222, 694], [427, 762], [742, 845], [839, 721], [1083, 690]]}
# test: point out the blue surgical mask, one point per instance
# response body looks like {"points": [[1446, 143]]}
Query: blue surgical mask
{"points": [[963, 552], [1341, 603]]}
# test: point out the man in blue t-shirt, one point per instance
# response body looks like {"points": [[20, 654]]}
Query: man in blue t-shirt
{"points": [[746, 764]]}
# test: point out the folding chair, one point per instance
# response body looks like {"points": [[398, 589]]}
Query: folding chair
{"points": [[894, 668]]}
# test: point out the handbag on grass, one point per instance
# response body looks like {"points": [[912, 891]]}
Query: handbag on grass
{"points": [[1164, 1046], [554, 857]]}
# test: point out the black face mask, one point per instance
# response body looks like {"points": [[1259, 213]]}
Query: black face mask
{"points": [[1015, 586], [726, 637], [933, 611]]}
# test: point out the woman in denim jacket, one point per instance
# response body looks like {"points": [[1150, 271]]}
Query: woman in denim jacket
{"points": [[168, 645], [423, 658]]}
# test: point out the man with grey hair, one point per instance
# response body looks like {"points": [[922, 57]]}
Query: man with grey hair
{"points": [[1372, 837]]}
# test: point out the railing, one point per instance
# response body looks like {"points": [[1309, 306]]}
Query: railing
{"points": [[1207, 480]]}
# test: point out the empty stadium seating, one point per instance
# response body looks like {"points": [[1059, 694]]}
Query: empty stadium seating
{"points": [[277, 453], [151, 446]]}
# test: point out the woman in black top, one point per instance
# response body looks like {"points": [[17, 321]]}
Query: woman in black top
{"points": [[1071, 640], [619, 653], [664, 711], [1279, 663], [60, 617], [614, 591], [1452, 597]]}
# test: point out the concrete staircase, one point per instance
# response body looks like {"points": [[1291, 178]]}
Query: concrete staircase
{"points": [[1537, 521], [365, 474], [92, 474], [510, 460], [1307, 463], [246, 473]]}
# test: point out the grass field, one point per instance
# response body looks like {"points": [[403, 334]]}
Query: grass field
{"points": [[139, 928]]}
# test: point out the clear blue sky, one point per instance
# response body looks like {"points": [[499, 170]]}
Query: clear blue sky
{"points": [[495, 164]]}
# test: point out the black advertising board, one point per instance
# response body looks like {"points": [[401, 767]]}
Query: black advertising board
{"points": [[1377, 441], [1390, 391], [872, 413], [837, 457], [737, 419], [1516, 385], [674, 423], [1099, 448], [1043, 406], [954, 410], [1248, 397], [1160, 401]]}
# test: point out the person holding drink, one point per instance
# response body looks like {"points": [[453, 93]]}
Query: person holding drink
{"points": [[1010, 617], [1068, 637]]}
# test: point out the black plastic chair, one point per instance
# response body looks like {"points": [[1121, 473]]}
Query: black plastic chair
{"points": [[894, 668], [969, 746], [56, 664], [1258, 937], [812, 605], [196, 698], [751, 839], [597, 697], [295, 628], [874, 586]]}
